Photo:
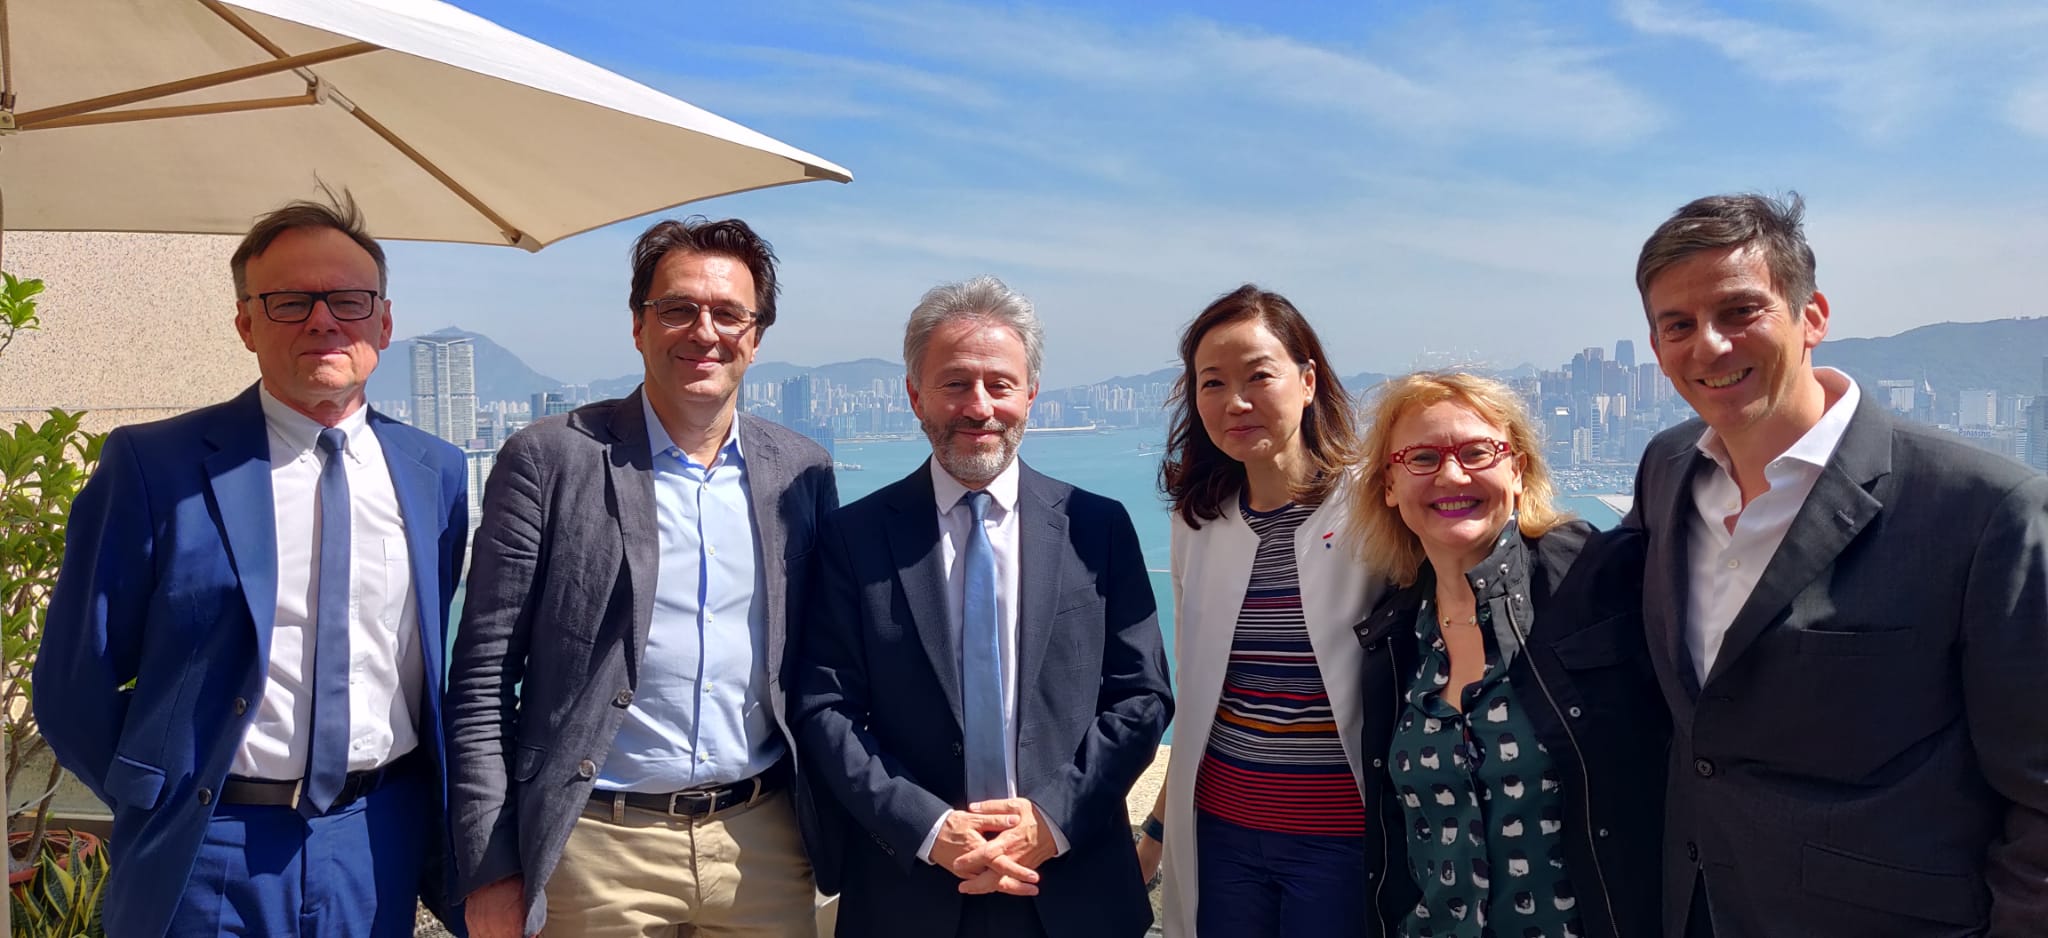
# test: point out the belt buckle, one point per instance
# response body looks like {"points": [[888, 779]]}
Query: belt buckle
{"points": [[298, 789], [709, 799]]}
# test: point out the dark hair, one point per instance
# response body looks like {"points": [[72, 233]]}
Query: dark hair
{"points": [[1774, 226], [1197, 476], [697, 235], [339, 212]]}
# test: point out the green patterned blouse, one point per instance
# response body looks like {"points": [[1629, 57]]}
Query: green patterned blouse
{"points": [[1480, 796]]}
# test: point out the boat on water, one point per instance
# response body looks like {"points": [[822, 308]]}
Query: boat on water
{"points": [[1090, 428], [838, 466]]}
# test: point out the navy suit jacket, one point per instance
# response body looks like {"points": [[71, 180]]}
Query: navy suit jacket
{"points": [[878, 704], [158, 637]]}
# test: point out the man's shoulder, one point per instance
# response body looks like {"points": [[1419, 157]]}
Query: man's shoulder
{"points": [[189, 428], [780, 443], [1941, 462], [1079, 504], [587, 425]]}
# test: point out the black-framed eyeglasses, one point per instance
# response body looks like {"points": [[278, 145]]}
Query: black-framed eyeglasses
{"points": [[678, 313], [1427, 459], [296, 305]]}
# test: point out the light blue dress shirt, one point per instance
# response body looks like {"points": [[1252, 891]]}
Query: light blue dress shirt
{"points": [[700, 713]]}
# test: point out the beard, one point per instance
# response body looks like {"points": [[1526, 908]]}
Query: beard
{"points": [[975, 467]]}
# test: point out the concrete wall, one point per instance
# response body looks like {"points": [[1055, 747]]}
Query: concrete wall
{"points": [[136, 327]]}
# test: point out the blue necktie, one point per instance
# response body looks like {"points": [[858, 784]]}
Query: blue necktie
{"points": [[981, 663], [327, 748]]}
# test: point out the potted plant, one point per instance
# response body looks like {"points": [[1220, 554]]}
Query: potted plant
{"points": [[43, 464]]}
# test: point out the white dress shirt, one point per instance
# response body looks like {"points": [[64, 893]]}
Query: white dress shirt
{"points": [[386, 667], [955, 522], [1726, 565]]}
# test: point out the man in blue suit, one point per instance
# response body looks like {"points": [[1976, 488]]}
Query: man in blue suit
{"points": [[244, 648], [983, 678]]}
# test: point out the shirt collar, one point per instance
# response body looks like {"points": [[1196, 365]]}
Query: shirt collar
{"points": [[658, 441], [947, 491], [1817, 445], [302, 432]]}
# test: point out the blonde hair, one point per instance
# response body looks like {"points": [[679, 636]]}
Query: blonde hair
{"points": [[1384, 541]]}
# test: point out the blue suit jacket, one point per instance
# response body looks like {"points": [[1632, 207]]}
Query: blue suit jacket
{"points": [[878, 704], [158, 636]]}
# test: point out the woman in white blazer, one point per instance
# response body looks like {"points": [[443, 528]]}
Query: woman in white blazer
{"points": [[1262, 818]]}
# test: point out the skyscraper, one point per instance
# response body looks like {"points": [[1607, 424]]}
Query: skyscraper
{"points": [[1625, 353], [444, 387]]}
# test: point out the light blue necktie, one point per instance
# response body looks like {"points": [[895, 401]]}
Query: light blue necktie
{"points": [[327, 747], [981, 663]]}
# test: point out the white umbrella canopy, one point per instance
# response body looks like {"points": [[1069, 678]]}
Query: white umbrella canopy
{"points": [[195, 116]]}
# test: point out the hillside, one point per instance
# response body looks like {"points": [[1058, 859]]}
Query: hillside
{"points": [[500, 374], [2002, 354]]}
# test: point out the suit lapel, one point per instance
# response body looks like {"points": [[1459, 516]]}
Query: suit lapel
{"points": [[630, 476], [921, 573], [1839, 508], [418, 487], [1670, 520], [238, 472], [767, 477], [1041, 541]]}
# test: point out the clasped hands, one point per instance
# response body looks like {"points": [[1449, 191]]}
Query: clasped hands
{"points": [[995, 846]]}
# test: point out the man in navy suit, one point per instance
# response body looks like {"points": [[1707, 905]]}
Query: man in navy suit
{"points": [[244, 648], [983, 678]]}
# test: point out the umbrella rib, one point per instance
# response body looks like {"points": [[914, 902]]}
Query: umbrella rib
{"points": [[164, 113], [511, 233], [197, 82]]}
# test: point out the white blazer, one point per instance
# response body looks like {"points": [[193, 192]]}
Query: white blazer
{"points": [[1212, 567]]}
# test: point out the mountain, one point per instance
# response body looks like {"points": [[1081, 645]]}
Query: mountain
{"points": [[2002, 354], [500, 375]]}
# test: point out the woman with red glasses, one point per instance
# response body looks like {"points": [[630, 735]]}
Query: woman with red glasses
{"points": [[1510, 709]]}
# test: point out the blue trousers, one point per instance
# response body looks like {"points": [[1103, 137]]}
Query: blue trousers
{"points": [[1261, 884], [354, 873]]}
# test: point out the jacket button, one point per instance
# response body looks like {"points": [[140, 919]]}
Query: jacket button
{"points": [[1379, 763], [1574, 712], [241, 706], [1376, 646], [957, 750], [586, 769], [1603, 833], [1705, 767], [206, 796], [625, 698], [1692, 851]]}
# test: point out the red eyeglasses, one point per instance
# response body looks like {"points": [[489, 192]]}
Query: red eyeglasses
{"points": [[1426, 459]]}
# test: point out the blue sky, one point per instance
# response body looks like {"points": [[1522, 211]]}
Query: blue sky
{"points": [[1469, 180]]}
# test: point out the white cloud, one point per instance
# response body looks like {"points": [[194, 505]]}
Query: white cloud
{"points": [[1888, 68]]}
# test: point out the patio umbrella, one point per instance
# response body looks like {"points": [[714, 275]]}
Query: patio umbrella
{"points": [[195, 116]]}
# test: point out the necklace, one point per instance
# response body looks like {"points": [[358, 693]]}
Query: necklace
{"points": [[1469, 620]]}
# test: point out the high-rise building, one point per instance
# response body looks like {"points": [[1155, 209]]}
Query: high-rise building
{"points": [[1625, 353], [550, 403], [1978, 407], [444, 387], [796, 402]]}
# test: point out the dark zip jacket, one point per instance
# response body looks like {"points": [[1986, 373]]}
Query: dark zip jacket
{"points": [[1584, 678]]}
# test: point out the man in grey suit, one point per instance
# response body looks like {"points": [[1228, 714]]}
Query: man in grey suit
{"points": [[622, 756], [1848, 615], [982, 676]]}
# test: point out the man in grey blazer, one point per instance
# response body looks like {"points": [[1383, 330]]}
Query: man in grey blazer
{"points": [[1848, 615], [623, 763]]}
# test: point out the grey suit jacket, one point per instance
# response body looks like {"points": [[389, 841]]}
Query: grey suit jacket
{"points": [[561, 593], [1869, 755]]}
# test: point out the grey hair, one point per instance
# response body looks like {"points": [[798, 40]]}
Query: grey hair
{"points": [[1776, 227], [983, 299]]}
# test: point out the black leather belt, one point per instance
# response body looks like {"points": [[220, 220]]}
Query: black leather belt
{"points": [[286, 794], [695, 802]]}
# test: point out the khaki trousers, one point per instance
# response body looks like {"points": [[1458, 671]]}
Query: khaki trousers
{"points": [[740, 873]]}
